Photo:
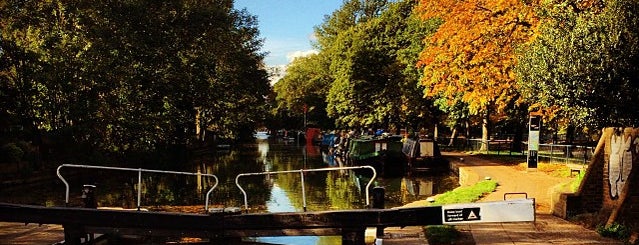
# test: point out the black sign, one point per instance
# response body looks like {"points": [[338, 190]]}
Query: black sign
{"points": [[535, 123], [461, 214], [532, 159]]}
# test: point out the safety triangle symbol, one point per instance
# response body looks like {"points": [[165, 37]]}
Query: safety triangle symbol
{"points": [[472, 216]]}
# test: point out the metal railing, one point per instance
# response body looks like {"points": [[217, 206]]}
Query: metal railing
{"points": [[301, 171], [566, 153], [139, 170], [551, 153], [498, 146]]}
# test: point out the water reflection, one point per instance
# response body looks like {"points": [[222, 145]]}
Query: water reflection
{"points": [[344, 189]]}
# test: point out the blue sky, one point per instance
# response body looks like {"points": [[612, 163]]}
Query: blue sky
{"points": [[287, 25]]}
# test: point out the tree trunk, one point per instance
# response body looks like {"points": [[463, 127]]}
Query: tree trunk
{"points": [[467, 125], [198, 130], [453, 135], [485, 131]]}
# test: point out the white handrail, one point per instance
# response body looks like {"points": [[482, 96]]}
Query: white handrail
{"points": [[139, 170], [301, 171]]}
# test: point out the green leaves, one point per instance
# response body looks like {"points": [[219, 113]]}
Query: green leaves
{"points": [[582, 63], [130, 74]]}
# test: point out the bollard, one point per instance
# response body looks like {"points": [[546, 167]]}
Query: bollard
{"points": [[88, 196], [378, 202], [378, 197]]}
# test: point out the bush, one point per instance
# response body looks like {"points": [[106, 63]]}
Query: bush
{"points": [[11, 153], [615, 230]]}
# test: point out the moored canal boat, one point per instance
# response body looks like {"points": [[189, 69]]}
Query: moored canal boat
{"points": [[422, 155], [384, 153]]}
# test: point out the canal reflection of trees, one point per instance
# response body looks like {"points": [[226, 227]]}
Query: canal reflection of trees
{"points": [[331, 190]]}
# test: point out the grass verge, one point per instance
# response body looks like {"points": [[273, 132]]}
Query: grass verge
{"points": [[447, 234], [466, 194]]}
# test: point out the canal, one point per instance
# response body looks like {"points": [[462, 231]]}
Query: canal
{"points": [[325, 190]]}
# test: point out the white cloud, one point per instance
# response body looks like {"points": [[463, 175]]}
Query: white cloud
{"points": [[312, 37], [296, 54]]}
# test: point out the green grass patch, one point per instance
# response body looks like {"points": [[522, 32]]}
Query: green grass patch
{"points": [[441, 234], [574, 184], [466, 194], [446, 234]]}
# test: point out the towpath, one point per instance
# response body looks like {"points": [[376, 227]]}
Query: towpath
{"points": [[547, 229]]}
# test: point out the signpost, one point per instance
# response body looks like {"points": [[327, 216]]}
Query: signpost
{"points": [[534, 128]]}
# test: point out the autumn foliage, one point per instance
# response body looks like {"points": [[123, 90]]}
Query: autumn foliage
{"points": [[472, 54]]}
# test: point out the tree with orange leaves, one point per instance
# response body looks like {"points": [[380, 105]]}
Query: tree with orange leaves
{"points": [[472, 54]]}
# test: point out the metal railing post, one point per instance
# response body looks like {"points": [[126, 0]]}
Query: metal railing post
{"points": [[66, 195], [568, 152], [139, 170], [237, 183], [585, 150], [301, 171], [303, 189], [139, 187], [552, 153], [208, 194]]}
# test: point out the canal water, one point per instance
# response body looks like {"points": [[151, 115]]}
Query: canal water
{"points": [[323, 190]]}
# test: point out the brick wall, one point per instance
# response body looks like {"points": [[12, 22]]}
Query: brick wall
{"points": [[610, 186]]}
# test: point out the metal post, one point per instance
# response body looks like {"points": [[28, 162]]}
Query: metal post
{"points": [[303, 189], [66, 184], [585, 149], [552, 153], [139, 170], [208, 194], [378, 202], [139, 187], [301, 171], [567, 154]]}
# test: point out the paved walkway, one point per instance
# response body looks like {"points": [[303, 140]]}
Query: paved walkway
{"points": [[547, 229], [19, 233]]}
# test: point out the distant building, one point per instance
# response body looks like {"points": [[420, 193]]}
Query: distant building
{"points": [[275, 73]]}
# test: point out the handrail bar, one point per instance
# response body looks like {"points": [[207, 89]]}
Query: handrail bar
{"points": [[301, 171], [139, 170]]}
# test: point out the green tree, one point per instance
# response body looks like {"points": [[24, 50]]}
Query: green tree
{"points": [[582, 67], [131, 75], [373, 60], [305, 84]]}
